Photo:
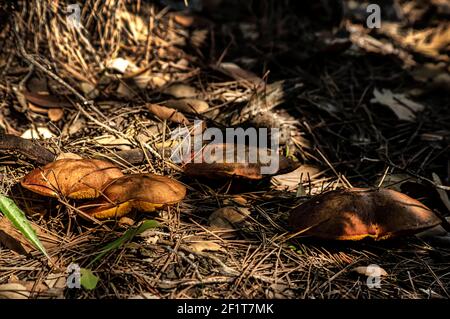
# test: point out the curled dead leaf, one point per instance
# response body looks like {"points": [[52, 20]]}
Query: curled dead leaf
{"points": [[73, 178], [188, 105], [358, 213], [167, 113]]}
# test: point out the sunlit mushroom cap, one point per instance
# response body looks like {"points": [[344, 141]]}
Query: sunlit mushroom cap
{"points": [[357, 213], [228, 160], [144, 192], [72, 178]]}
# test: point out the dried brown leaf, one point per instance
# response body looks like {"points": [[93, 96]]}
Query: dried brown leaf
{"points": [[167, 113], [14, 291], [290, 181], [13, 239], [188, 105], [205, 246], [239, 74], [371, 270], [228, 217], [403, 107], [46, 100], [181, 91]]}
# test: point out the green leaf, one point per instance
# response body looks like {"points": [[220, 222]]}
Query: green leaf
{"points": [[18, 219], [126, 237], [88, 280]]}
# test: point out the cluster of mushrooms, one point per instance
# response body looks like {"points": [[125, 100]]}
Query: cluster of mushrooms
{"points": [[349, 214], [113, 194]]}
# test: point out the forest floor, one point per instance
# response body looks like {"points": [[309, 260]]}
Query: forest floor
{"points": [[357, 107]]}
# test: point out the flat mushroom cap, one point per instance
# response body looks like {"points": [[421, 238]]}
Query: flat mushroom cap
{"points": [[73, 178], [357, 213], [144, 192], [227, 160]]}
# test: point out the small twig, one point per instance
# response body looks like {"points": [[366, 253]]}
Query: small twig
{"points": [[29, 148]]}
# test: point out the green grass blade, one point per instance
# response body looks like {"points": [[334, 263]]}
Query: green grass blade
{"points": [[126, 237], [18, 219]]}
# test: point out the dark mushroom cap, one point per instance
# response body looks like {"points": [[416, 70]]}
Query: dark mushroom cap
{"points": [[222, 161], [357, 213], [223, 170], [144, 192], [72, 178]]}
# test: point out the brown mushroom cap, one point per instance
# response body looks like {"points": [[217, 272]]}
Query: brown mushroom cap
{"points": [[223, 170], [73, 178], [357, 213], [214, 162], [144, 192]]}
